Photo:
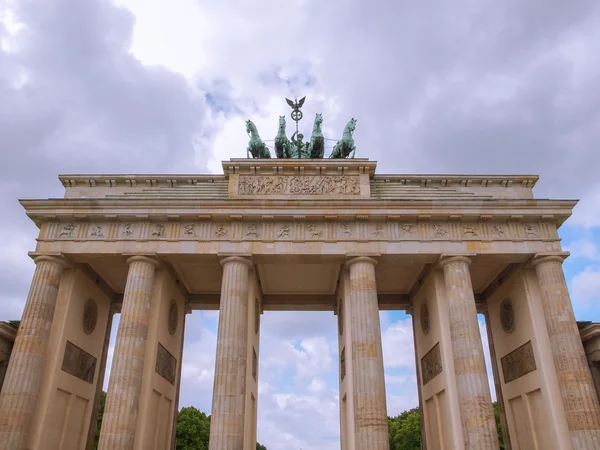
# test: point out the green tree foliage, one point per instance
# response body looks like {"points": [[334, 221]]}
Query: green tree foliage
{"points": [[99, 421], [405, 430], [498, 426], [193, 428]]}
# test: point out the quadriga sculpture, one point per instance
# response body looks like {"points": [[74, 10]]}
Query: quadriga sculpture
{"points": [[346, 145], [283, 146], [316, 146], [256, 147]]}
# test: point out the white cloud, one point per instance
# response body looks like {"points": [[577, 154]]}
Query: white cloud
{"points": [[585, 287], [398, 345], [585, 248]]}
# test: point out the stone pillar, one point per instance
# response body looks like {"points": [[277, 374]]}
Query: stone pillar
{"points": [[93, 430], [410, 311], [123, 397], [229, 391], [474, 399], [24, 374], [574, 378], [497, 383], [371, 424]]}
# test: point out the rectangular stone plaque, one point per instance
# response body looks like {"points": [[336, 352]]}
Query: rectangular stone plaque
{"points": [[166, 364], [299, 185], [519, 362], [79, 363], [431, 364]]}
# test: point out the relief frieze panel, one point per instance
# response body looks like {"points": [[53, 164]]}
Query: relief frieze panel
{"points": [[299, 185], [79, 363], [300, 230], [519, 362], [431, 364], [166, 364]]}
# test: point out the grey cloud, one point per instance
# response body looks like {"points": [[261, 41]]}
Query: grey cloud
{"points": [[75, 100]]}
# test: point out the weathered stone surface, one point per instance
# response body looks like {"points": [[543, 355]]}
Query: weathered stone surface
{"points": [[367, 358], [123, 397], [24, 374], [519, 362], [79, 363], [228, 406], [431, 364], [574, 377], [474, 398], [166, 364]]}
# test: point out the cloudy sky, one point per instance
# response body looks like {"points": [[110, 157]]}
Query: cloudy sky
{"points": [[163, 86]]}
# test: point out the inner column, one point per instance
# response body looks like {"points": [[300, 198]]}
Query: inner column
{"points": [[371, 423], [474, 398], [229, 391]]}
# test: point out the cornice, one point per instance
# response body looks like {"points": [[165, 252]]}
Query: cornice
{"points": [[291, 168], [177, 209], [590, 332]]}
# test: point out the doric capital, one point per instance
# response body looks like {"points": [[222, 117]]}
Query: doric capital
{"points": [[236, 259], [56, 259], [543, 258], [445, 260], [363, 259], [143, 258]]}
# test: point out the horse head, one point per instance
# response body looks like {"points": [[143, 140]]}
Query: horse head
{"points": [[250, 127], [351, 124], [281, 121], [318, 119]]}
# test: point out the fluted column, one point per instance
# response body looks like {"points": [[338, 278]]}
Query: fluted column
{"points": [[474, 398], [123, 397], [229, 391], [574, 378], [371, 424], [26, 365]]}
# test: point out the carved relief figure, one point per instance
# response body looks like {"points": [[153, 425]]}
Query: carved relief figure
{"points": [[498, 230], [378, 231], [407, 228], [347, 229], [159, 230], [530, 231], [128, 230], [470, 230], [97, 231], [312, 229], [221, 231], [299, 185], [284, 231], [439, 230], [252, 230], [67, 230], [189, 229]]}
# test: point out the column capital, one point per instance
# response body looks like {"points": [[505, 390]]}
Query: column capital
{"points": [[56, 258], [449, 259], [542, 258], [236, 258], [143, 258], [357, 259]]}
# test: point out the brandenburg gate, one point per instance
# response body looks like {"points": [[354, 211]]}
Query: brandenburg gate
{"points": [[298, 234]]}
